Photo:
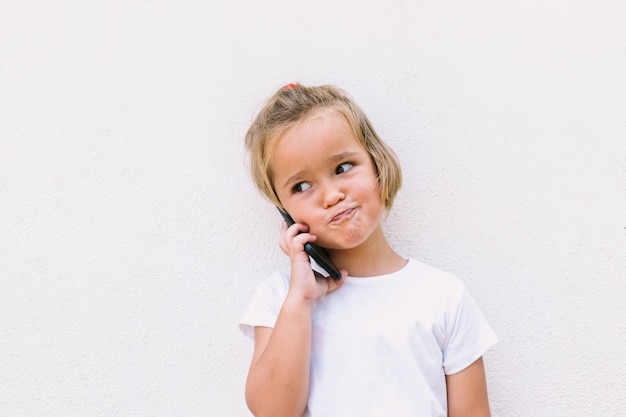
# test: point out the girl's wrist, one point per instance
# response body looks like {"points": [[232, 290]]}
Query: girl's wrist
{"points": [[295, 300]]}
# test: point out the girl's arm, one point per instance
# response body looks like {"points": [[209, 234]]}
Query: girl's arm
{"points": [[467, 392], [278, 379]]}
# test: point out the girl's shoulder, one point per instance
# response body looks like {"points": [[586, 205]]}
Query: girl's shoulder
{"points": [[429, 275], [276, 283]]}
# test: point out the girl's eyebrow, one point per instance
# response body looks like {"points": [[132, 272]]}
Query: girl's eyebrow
{"points": [[294, 177], [342, 155]]}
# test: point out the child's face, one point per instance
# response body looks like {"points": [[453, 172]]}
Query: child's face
{"points": [[325, 179]]}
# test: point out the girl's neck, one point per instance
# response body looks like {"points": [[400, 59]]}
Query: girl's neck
{"points": [[372, 258]]}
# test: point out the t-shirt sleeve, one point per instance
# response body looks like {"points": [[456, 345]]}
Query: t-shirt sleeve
{"points": [[469, 335], [265, 304]]}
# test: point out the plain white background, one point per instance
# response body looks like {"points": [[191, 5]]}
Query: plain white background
{"points": [[131, 238]]}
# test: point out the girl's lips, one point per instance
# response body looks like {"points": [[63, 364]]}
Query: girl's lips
{"points": [[342, 215]]}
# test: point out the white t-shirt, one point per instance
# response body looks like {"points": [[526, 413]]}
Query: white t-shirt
{"points": [[381, 346]]}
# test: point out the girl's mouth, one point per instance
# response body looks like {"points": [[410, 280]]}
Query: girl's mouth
{"points": [[342, 215]]}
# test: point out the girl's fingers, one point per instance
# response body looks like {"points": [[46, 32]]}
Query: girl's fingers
{"points": [[294, 237], [334, 284]]}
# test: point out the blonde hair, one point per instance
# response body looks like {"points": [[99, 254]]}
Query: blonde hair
{"points": [[294, 103]]}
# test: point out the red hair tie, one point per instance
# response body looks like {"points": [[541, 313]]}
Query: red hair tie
{"points": [[290, 86]]}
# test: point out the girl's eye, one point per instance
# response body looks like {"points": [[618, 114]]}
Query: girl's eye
{"points": [[346, 166], [301, 186]]}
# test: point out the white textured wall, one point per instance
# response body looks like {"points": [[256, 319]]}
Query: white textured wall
{"points": [[131, 238]]}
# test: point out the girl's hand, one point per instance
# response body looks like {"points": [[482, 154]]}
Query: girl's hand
{"points": [[306, 285]]}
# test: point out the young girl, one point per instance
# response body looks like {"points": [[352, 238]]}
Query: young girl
{"points": [[393, 336]]}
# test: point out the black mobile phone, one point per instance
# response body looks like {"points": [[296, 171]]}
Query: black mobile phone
{"points": [[319, 254]]}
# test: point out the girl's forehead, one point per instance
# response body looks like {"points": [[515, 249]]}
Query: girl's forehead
{"points": [[316, 137], [324, 130]]}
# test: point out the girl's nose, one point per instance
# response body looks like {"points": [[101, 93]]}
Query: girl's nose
{"points": [[333, 195]]}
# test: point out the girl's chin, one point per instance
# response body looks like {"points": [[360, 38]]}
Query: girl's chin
{"points": [[346, 239], [337, 246]]}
